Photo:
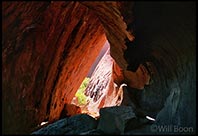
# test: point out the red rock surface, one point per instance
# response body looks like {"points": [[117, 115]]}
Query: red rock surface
{"points": [[72, 109], [47, 50], [111, 16]]}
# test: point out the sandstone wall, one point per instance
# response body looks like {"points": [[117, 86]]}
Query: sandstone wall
{"points": [[47, 50]]}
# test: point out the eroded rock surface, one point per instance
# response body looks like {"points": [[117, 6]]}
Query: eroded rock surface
{"points": [[98, 85], [117, 119], [121, 120], [40, 42], [69, 126], [48, 48]]}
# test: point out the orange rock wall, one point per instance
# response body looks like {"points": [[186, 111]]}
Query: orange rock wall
{"points": [[47, 50]]}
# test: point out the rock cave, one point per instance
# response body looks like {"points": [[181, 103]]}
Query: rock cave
{"points": [[144, 82]]}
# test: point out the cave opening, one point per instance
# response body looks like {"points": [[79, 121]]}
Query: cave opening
{"points": [[92, 88], [44, 62], [83, 101]]}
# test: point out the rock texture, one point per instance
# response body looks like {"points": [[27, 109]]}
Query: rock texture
{"points": [[117, 119], [169, 38], [115, 28], [70, 110], [97, 88], [121, 120], [69, 126], [166, 43], [39, 46], [48, 48], [40, 42]]}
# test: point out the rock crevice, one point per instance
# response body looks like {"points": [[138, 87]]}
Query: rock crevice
{"points": [[48, 48]]}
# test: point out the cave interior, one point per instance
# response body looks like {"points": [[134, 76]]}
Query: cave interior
{"points": [[139, 58]]}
